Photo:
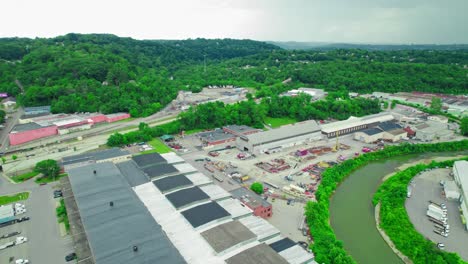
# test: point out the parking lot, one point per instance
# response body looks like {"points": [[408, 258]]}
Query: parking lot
{"points": [[426, 187], [45, 243], [287, 218]]}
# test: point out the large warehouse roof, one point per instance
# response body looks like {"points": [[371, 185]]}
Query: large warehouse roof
{"points": [[160, 170], [287, 131], [132, 173], [172, 183], [25, 127], [95, 156], [228, 235], [113, 229], [356, 121], [260, 254], [205, 213], [187, 197], [148, 159]]}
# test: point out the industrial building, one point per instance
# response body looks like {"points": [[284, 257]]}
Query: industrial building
{"points": [[354, 124], [37, 111], [23, 133], [432, 130], [240, 130], [257, 204], [109, 155], [40, 123], [225, 135], [460, 173], [316, 94], [169, 218], [389, 131], [282, 137], [118, 226]]}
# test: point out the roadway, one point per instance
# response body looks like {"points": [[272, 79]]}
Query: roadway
{"points": [[9, 124]]}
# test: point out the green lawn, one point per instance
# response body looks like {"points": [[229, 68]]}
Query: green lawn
{"points": [[24, 177], [47, 180], [14, 198], [277, 122], [158, 147], [62, 216]]}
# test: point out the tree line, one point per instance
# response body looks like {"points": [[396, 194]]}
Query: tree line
{"points": [[326, 247], [99, 72]]}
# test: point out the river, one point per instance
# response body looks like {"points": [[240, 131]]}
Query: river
{"points": [[352, 212]]}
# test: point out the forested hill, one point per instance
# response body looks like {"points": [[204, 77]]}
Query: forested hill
{"points": [[106, 73], [69, 71]]}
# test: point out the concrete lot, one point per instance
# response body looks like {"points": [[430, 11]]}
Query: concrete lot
{"points": [[287, 218], [426, 187], [45, 243]]}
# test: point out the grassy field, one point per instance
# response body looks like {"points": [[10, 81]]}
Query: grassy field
{"points": [[47, 180], [277, 122], [14, 198], [158, 147], [24, 177]]}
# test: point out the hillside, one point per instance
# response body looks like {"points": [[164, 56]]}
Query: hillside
{"points": [[106, 73]]}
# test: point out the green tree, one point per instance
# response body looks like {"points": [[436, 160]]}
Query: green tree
{"points": [[14, 157], [3, 160], [464, 126], [49, 168], [2, 116], [436, 103], [257, 187]]}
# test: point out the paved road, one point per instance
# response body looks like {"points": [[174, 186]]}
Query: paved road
{"points": [[10, 122], [45, 244]]}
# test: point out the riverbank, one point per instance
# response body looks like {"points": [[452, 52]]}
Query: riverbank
{"points": [[389, 242]]}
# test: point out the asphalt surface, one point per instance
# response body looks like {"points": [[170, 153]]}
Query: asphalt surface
{"points": [[9, 124], [45, 244], [426, 187]]}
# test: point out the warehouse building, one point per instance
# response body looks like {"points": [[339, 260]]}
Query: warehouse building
{"points": [[196, 221], [118, 226], [354, 124], [114, 155], [432, 130], [37, 110], [23, 133], [215, 137], [283, 137], [389, 131], [460, 173], [257, 204], [117, 117], [240, 130]]}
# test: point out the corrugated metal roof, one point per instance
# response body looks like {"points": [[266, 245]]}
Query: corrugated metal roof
{"points": [[227, 235], [171, 183], [132, 173], [282, 244], [283, 132], [260, 254], [26, 127], [112, 231], [148, 159], [95, 156], [356, 121]]}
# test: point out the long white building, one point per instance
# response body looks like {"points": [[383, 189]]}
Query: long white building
{"points": [[354, 124], [283, 137], [460, 173]]}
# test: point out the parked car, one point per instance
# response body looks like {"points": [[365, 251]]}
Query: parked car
{"points": [[199, 159], [21, 261], [57, 195], [440, 245], [22, 219], [70, 256], [303, 244]]}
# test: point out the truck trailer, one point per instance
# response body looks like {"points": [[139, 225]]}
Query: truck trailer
{"points": [[437, 209], [436, 215]]}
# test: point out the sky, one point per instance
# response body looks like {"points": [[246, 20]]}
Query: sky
{"points": [[350, 21]]}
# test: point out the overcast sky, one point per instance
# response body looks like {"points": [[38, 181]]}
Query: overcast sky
{"points": [[356, 21]]}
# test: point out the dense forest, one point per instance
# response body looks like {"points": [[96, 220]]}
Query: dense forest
{"points": [[106, 73]]}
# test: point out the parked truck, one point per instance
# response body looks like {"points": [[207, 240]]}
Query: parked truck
{"points": [[437, 209], [441, 205], [7, 245], [441, 233], [436, 216], [21, 240], [439, 222]]}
